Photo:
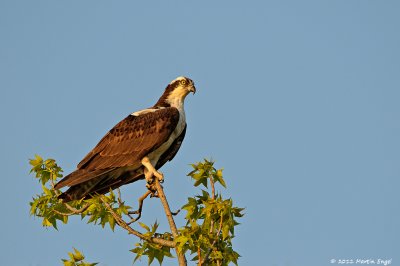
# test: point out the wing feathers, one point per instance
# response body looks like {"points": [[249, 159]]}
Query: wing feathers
{"points": [[134, 136], [124, 145]]}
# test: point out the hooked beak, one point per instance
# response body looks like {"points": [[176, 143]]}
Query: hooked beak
{"points": [[192, 89]]}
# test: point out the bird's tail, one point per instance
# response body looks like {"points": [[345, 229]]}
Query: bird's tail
{"points": [[101, 184]]}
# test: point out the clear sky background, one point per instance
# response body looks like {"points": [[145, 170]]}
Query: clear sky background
{"points": [[297, 100]]}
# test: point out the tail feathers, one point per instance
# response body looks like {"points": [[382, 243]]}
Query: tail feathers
{"points": [[79, 191], [81, 176], [124, 179], [101, 184]]}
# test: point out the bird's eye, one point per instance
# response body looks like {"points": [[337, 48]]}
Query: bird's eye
{"points": [[183, 82]]}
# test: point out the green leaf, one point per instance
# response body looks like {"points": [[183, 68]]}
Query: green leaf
{"points": [[36, 161], [111, 221], [144, 226], [159, 256], [46, 222], [181, 241], [201, 181], [76, 259], [68, 263], [225, 231], [78, 256], [154, 227], [71, 256], [139, 251], [218, 177]]}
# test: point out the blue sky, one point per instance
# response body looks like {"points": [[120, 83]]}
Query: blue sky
{"points": [[297, 100]]}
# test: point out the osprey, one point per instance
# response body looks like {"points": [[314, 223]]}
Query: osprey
{"points": [[133, 149]]}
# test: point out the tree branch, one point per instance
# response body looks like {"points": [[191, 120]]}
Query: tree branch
{"points": [[160, 191], [199, 255], [77, 211], [139, 210], [123, 224], [212, 187], [213, 198], [73, 210]]}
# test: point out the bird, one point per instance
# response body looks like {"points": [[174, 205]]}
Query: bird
{"points": [[133, 149]]}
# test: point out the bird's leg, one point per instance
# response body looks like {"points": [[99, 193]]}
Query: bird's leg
{"points": [[150, 171]]}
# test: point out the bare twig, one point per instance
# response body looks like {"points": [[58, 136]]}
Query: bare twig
{"points": [[199, 255], [52, 181], [172, 225], [73, 210], [213, 198], [212, 187], [119, 196], [77, 211], [138, 211], [63, 213], [123, 224]]}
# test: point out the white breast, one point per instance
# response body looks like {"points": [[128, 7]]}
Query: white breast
{"points": [[155, 155]]}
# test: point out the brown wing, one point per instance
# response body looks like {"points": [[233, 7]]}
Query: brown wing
{"points": [[131, 139], [126, 144]]}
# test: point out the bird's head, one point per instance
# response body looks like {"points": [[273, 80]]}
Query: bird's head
{"points": [[176, 92], [181, 86]]}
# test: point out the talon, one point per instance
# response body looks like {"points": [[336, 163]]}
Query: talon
{"points": [[160, 176], [149, 176], [176, 213], [151, 188], [154, 195]]}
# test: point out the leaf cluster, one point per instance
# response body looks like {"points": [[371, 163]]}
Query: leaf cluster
{"points": [[210, 220], [45, 170], [99, 214], [150, 249], [76, 258], [48, 207], [204, 172], [44, 204], [52, 210]]}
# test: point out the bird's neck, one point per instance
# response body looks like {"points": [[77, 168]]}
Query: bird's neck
{"points": [[171, 100], [177, 103]]}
